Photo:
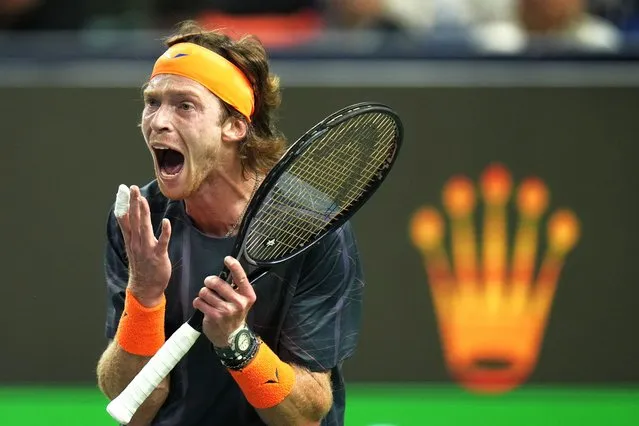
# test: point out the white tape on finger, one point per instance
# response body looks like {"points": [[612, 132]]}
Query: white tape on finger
{"points": [[122, 201]]}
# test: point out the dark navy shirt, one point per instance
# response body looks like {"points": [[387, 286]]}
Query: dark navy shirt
{"points": [[308, 311]]}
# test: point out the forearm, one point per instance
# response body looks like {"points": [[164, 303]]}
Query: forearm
{"points": [[306, 405], [116, 369]]}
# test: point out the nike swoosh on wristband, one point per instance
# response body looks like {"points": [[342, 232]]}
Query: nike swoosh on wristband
{"points": [[276, 380]]}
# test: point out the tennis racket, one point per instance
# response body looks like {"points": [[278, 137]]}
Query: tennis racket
{"points": [[319, 183]]}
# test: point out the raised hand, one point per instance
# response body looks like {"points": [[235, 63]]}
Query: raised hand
{"points": [[149, 263]]}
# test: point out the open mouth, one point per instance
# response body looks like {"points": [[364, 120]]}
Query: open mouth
{"points": [[170, 161]]}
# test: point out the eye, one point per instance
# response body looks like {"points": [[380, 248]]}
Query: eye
{"points": [[186, 106], [151, 102]]}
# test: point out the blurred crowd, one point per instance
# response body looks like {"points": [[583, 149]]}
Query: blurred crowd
{"points": [[492, 25]]}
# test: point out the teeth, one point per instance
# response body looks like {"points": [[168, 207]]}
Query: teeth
{"points": [[163, 148]]}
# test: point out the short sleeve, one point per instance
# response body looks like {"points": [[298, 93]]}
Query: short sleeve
{"points": [[322, 325], [116, 274]]}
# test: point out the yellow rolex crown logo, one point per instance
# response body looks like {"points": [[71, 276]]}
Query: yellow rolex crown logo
{"points": [[493, 289]]}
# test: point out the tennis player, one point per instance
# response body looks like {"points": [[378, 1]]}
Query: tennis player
{"points": [[272, 350]]}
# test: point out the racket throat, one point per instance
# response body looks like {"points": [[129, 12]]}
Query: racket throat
{"points": [[196, 320]]}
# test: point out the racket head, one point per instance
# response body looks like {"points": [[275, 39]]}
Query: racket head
{"points": [[381, 121]]}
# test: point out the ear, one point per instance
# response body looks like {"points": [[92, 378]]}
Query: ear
{"points": [[234, 129]]}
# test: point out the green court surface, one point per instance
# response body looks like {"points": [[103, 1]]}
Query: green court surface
{"points": [[372, 405]]}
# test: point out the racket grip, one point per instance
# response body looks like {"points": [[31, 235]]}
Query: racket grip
{"points": [[159, 366]]}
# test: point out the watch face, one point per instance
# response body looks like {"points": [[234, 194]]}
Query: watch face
{"points": [[243, 341]]}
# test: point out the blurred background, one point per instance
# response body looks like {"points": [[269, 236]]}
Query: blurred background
{"points": [[518, 168]]}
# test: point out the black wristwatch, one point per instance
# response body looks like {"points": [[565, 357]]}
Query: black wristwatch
{"points": [[243, 345]]}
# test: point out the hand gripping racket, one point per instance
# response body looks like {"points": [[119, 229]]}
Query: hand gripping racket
{"points": [[318, 184]]}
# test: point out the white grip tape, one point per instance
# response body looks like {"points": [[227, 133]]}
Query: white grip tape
{"points": [[127, 403], [122, 201]]}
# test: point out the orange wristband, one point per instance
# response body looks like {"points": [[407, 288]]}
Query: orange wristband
{"points": [[266, 380], [141, 329]]}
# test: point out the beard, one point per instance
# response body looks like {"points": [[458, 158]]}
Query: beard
{"points": [[199, 167]]}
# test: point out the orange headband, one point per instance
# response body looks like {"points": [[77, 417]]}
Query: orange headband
{"points": [[212, 71]]}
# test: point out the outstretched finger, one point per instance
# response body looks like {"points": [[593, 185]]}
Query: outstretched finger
{"points": [[239, 277], [125, 227], [134, 215], [146, 228], [121, 211], [165, 236]]}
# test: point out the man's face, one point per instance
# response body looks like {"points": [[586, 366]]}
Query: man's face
{"points": [[181, 127]]}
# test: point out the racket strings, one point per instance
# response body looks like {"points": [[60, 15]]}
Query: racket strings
{"points": [[273, 225], [330, 187], [318, 218], [345, 169], [310, 219], [292, 233], [315, 170], [325, 180], [301, 233], [354, 175]]}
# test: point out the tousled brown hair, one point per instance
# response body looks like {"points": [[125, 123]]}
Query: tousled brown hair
{"points": [[264, 143]]}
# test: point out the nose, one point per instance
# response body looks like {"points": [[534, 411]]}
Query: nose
{"points": [[161, 119]]}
